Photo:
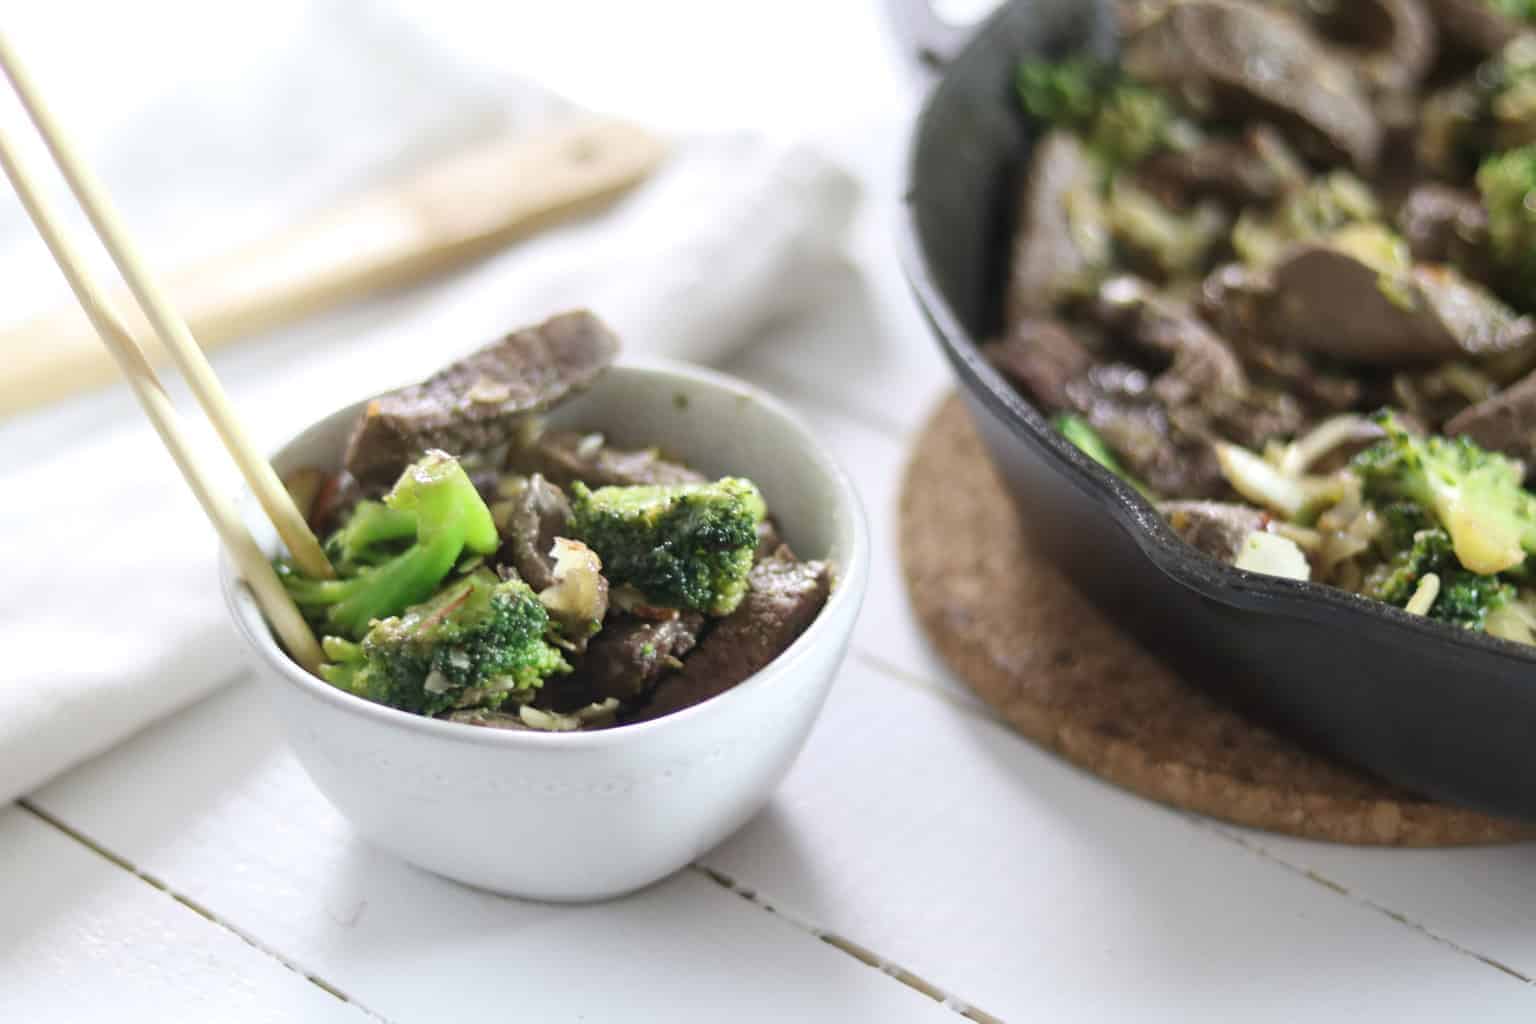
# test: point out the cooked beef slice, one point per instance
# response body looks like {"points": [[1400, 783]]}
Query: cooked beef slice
{"points": [[564, 457], [1201, 362], [338, 496], [1041, 357], [1214, 527], [1504, 423], [1329, 301], [1232, 60], [533, 513], [1437, 395], [1445, 225], [1116, 400], [1475, 25], [783, 597], [1230, 300], [1204, 387], [477, 403], [1255, 168], [1062, 240], [630, 654], [1152, 445], [1394, 41]]}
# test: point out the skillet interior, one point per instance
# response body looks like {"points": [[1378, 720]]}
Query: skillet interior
{"points": [[1445, 712]]}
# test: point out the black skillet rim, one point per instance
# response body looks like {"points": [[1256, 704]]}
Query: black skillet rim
{"points": [[1133, 514]]}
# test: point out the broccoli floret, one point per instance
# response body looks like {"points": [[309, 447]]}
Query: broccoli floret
{"points": [[1474, 495], [1427, 551], [686, 546], [1467, 599], [450, 518], [1122, 121], [1508, 186], [1463, 599], [1080, 433], [371, 534], [1522, 10], [1405, 520], [476, 642]]}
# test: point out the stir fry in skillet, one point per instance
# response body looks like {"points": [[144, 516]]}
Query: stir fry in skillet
{"points": [[495, 572], [1276, 268]]}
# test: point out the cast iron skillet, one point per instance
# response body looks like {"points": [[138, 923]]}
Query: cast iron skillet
{"points": [[1441, 711]]}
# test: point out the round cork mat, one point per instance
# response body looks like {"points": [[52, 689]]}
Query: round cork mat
{"points": [[1035, 650]]}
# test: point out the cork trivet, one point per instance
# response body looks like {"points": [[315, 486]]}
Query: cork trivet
{"points": [[1035, 650]]}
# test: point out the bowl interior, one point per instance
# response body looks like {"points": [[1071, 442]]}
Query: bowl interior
{"points": [[717, 424]]}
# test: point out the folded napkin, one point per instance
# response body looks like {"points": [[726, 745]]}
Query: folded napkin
{"points": [[109, 614]]}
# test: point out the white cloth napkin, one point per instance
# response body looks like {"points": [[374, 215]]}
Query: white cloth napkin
{"points": [[109, 613]]}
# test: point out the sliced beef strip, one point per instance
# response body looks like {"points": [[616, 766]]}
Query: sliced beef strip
{"points": [[564, 457], [1205, 388], [1255, 169], [1228, 59], [1116, 400], [1445, 225], [630, 655], [1214, 527], [479, 402], [1328, 301], [537, 512], [1504, 423], [1475, 25], [1041, 357], [1230, 300], [783, 597], [1062, 238], [338, 496], [1394, 41], [1201, 362]]}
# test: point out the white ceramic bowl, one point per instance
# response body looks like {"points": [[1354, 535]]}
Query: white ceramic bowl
{"points": [[583, 816]]}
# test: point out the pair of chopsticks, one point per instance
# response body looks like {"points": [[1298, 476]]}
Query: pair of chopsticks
{"points": [[173, 332]]}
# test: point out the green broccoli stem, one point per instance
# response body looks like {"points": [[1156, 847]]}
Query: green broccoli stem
{"points": [[450, 518], [1076, 429], [371, 525]]}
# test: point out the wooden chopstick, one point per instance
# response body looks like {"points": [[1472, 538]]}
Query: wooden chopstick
{"points": [[250, 560], [169, 327]]}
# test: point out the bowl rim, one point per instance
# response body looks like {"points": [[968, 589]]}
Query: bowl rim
{"points": [[849, 584], [1133, 514]]}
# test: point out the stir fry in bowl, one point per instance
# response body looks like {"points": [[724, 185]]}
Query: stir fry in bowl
{"points": [[497, 573], [1276, 268]]}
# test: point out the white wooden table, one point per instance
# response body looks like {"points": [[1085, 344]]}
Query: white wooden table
{"points": [[921, 863]]}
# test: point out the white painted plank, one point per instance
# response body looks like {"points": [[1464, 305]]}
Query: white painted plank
{"points": [[213, 804], [1480, 899], [81, 939], [996, 871]]}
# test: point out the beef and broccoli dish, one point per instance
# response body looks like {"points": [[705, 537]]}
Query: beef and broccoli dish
{"points": [[497, 572], [1275, 267]]}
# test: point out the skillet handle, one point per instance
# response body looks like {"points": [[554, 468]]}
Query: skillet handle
{"points": [[928, 38]]}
